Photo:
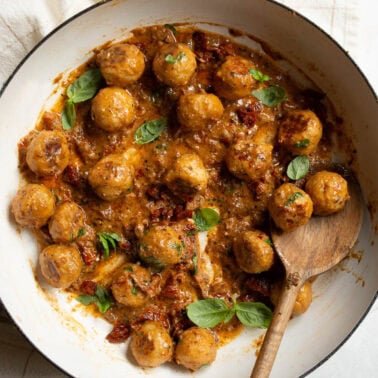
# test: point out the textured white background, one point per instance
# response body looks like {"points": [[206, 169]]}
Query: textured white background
{"points": [[352, 23]]}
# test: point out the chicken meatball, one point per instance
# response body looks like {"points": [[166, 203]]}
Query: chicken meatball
{"points": [[290, 207], [161, 246], [253, 252], [67, 221], [121, 64], [233, 79], [300, 132], [188, 175], [60, 265], [328, 191], [249, 160], [151, 345], [195, 111], [129, 286], [112, 109], [174, 64], [111, 177], [48, 153], [196, 347], [33, 205]]}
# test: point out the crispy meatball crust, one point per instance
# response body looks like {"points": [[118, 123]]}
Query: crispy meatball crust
{"points": [[151, 345], [328, 191], [290, 207], [65, 224], [195, 348], [60, 265], [180, 70], [121, 64], [113, 109], [48, 153], [253, 252], [33, 205], [300, 132]]}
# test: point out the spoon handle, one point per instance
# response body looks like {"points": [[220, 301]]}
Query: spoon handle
{"points": [[273, 336]]}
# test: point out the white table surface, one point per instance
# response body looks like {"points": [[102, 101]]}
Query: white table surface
{"points": [[352, 23]]}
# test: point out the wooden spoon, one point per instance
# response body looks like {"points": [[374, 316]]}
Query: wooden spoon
{"points": [[306, 252]]}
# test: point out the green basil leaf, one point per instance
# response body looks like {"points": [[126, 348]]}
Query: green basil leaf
{"points": [[302, 143], [103, 299], [205, 219], [108, 237], [170, 59], [270, 96], [258, 75], [230, 315], [86, 86], [298, 167], [134, 290], [86, 299], [254, 314], [68, 116], [149, 131], [177, 247], [81, 232], [293, 197], [155, 263], [171, 28], [208, 313]]}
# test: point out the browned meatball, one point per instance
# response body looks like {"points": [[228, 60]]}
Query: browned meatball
{"points": [[129, 286], [65, 224], [112, 109], [300, 132], [48, 153], [196, 347], [290, 207], [60, 265], [33, 205], [121, 64], [247, 159], [174, 64], [233, 79], [187, 175], [253, 252], [161, 246], [151, 344], [328, 191], [111, 177], [195, 111]]}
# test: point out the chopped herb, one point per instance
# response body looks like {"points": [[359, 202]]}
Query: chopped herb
{"points": [[162, 146], [177, 247], [81, 232], [268, 241], [129, 268], [205, 219], [258, 75], [195, 263], [298, 167], [155, 263], [170, 59], [191, 233], [107, 238], [171, 28], [149, 131], [134, 290], [302, 143], [101, 298], [293, 197], [270, 96]]}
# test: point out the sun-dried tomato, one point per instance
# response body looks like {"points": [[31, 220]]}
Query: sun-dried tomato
{"points": [[119, 334]]}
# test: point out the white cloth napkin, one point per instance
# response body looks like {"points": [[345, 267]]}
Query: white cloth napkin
{"points": [[23, 23]]}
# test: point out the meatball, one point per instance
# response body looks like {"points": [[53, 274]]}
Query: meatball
{"points": [[174, 64], [300, 132], [111, 177], [33, 205], [128, 287], [161, 246], [48, 153], [67, 221], [328, 191], [290, 207], [253, 252], [249, 160], [196, 347], [195, 111], [233, 79], [151, 344], [187, 175], [60, 265], [112, 109], [121, 64]]}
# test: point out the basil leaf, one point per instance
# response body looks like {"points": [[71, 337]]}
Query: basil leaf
{"points": [[205, 219], [86, 299], [108, 237], [270, 96], [253, 314], [68, 116], [101, 298], [149, 131], [230, 315], [258, 75], [85, 87], [155, 263], [302, 143], [298, 167], [170, 59], [171, 28], [177, 247], [208, 313], [293, 197]]}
